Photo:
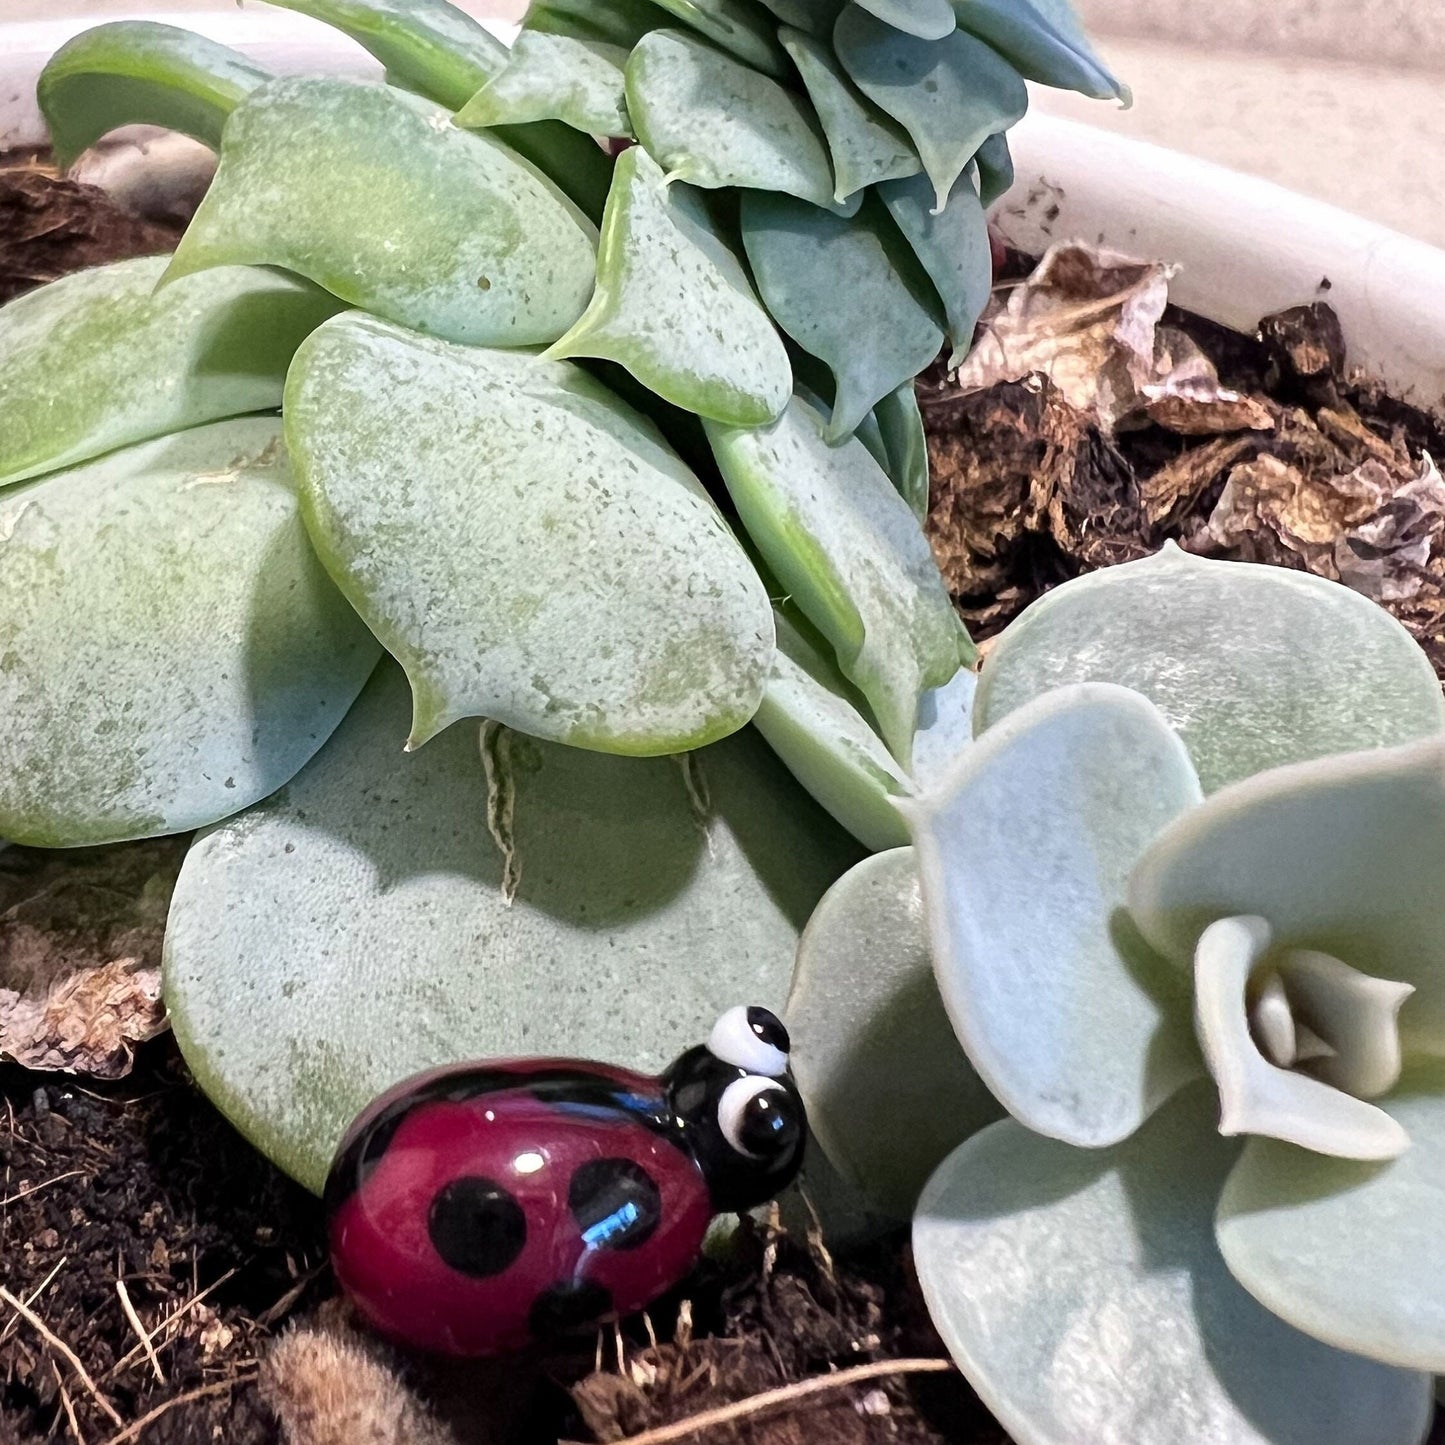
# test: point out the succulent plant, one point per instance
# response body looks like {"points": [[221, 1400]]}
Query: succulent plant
{"points": [[610, 494], [1180, 899]]}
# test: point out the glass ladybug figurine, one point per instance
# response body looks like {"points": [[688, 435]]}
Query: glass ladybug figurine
{"points": [[481, 1208]]}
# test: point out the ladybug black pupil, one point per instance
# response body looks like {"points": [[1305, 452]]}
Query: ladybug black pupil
{"points": [[769, 1028], [766, 1129]]}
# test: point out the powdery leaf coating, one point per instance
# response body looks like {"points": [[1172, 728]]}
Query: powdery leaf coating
{"points": [[451, 491], [100, 359], [950, 95], [838, 288], [1346, 1251], [711, 120], [866, 146], [1024, 849], [1252, 666], [832, 527], [995, 166], [905, 446], [137, 72], [1082, 1294], [619, 22], [375, 195], [1044, 41], [355, 928], [816, 17], [556, 77], [674, 306], [889, 1092], [170, 648], [737, 26], [927, 19]]}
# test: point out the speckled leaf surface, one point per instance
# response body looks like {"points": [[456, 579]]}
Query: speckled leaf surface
{"points": [[1024, 848], [1083, 1295], [1226, 651], [841, 289], [556, 77], [100, 359], [1345, 855], [1044, 41], [674, 306], [711, 120], [172, 649], [139, 72], [619, 22], [866, 147], [889, 1092], [650, 895], [949, 95], [832, 527], [739, 26], [927, 19], [1346, 1251], [952, 247], [376, 196], [661, 642]]}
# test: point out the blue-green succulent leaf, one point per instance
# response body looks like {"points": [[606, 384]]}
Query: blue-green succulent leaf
{"points": [[995, 168], [905, 446], [738, 26], [1044, 41], [927, 19], [817, 17], [556, 77], [617, 22]]}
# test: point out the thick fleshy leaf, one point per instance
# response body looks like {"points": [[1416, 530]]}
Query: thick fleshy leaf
{"points": [[1043, 41], [842, 289], [1255, 1095], [1253, 666], [710, 119], [358, 927], [738, 26], [816, 17], [952, 246], [660, 642], [945, 723], [866, 146], [927, 19], [905, 445], [995, 169], [1344, 855], [889, 1092], [100, 359], [556, 77], [172, 649], [1024, 849], [618, 22], [674, 306], [811, 723], [834, 530], [138, 72], [375, 195], [950, 95], [1083, 1296], [1346, 1251]]}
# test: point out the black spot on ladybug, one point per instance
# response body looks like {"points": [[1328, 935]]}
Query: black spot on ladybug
{"points": [[616, 1203], [770, 1029], [769, 1127], [569, 1304], [476, 1226]]}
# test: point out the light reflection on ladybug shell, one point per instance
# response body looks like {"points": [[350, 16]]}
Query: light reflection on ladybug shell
{"points": [[476, 1210]]}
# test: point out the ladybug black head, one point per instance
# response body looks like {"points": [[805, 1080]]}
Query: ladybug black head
{"points": [[740, 1112]]}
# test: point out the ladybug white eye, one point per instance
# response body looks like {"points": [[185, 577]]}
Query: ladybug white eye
{"points": [[756, 1117], [751, 1039]]}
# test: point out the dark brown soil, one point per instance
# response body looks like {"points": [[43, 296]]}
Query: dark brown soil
{"points": [[140, 1184]]}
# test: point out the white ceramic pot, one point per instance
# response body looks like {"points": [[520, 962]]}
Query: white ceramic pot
{"points": [[1245, 247]]}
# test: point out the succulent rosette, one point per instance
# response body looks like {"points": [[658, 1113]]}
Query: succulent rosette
{"points": [[1181, 899]]}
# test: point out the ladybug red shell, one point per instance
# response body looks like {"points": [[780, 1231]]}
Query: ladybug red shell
{"points": [[480, 1208]]}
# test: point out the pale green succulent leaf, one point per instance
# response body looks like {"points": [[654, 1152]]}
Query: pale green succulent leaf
{"points": [[866, 147], [950, 95], [927, 19], [1024, 848], [1346, 1251], [556, 77], [139, 72], [674, 306], [100, 358], [1344, 855], [945, 729], [888, 1090], [738, 26], [1083, 1296], [837, 535], [375, 195], [459, 544], [1227, 651], [173, 650], [1044, 41], [816, 17], [842, 289], [952, 247], [613, 909], [995, 168], [905, 446], [618, 22], [714, 121]]}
